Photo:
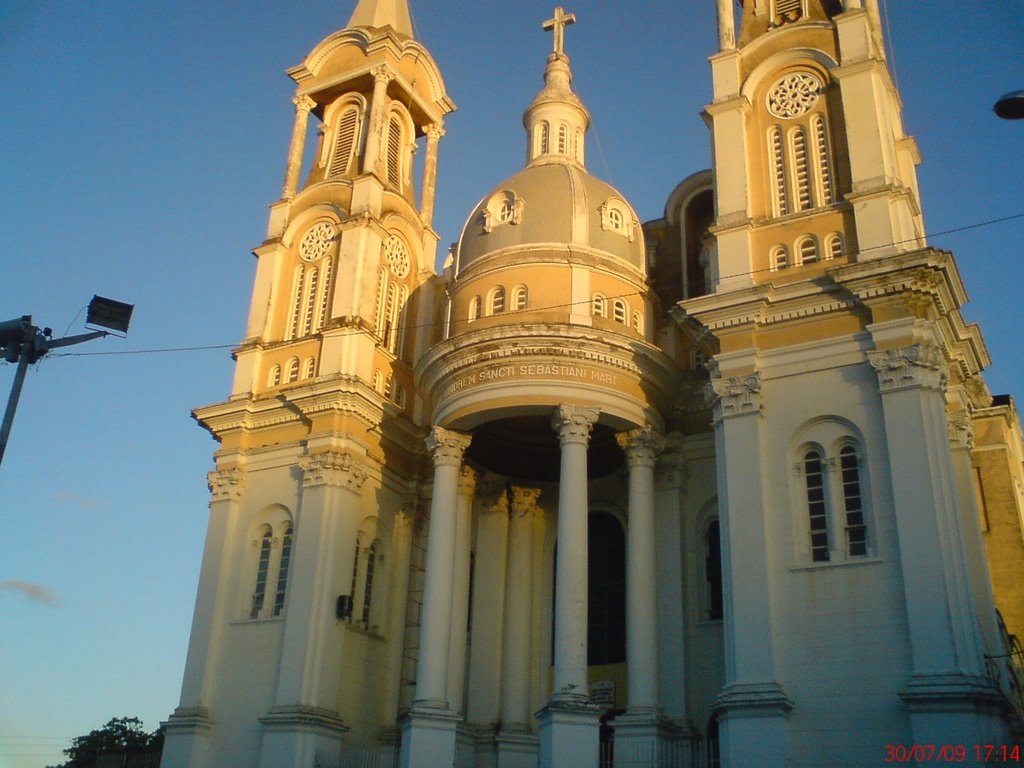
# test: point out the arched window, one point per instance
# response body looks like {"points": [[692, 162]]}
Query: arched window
{"points": [[801, 172], [599, 306], [346, 135], [323, 312], [779, 258], [545, 138], [563, 139], [312, 282], [780, 195], [713, 571], [260, 591], [520, 298], [474, 308], [853, 504], [309, 371], [498, 300], [394, 148], [293, 370], [275, 376], [378, 382], [400, 397], [817, 510], [822, 159], [807, 250], [620, 311], [371, 557], [297, 303], [282, 571], [638, 322], [834, 246]]}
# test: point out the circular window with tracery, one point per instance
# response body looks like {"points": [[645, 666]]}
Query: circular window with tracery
{"points": [[794, 95], [317, 242], [397, 256]]}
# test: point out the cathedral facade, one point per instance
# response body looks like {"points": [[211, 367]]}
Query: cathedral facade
{"points": [[702, 491]]}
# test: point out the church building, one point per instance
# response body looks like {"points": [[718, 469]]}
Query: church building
{"points": [[709, 491]]}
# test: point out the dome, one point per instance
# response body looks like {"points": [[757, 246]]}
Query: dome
{"points": [[553, 204]]}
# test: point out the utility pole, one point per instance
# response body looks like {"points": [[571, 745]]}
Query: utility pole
{"points": [[24, 344]]}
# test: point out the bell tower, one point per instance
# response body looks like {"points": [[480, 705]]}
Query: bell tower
{"points": [[811, 161], [306, 557]]}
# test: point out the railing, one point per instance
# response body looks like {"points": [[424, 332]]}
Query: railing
{"points": [[666, 754], [380, 756]]}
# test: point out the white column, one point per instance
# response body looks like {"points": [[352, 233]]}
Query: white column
{"points": [[303, 105], [428, 731], [516, 646], [371, 160], [726, 25], [574, 426], [434, 134], [641, 447], [460, 591], [569, 727]]}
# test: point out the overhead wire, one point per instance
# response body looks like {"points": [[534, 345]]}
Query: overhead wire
{"points": [[563, 305]]}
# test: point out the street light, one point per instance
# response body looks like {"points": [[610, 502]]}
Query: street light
{"points": [[1010, 106], [23, 343]]}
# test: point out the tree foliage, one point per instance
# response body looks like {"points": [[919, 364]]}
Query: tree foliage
{"points": [[121, 735]]}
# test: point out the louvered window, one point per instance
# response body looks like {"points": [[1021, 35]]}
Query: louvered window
{"points": [[325, 297], [779, 192], [520, 298], [599, 308], [788, 10], [293, 329], [310, 370], [545, 138], [801, 172], [814, 477], [293, 370], [834, 249], [808, 250], [260, 592], [619, 311], [474, 308], [563, 139], [275, 376], [345, 134], [395, 153], [822, 159], [498, 301], [312, 283], [779, 258]]}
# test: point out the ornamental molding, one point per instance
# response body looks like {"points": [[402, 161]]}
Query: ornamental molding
{"points": [[524, 500], [794, 95], [505, 207], [226, 485], [961, 430], [735, 396], [617, 217], [574, 424], [641, 445], [447, 447], [914, 366], [334, 469]]}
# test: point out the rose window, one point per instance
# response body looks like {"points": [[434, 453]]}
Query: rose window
{"points": [[794, 95], [317, 242], [397, 256]]}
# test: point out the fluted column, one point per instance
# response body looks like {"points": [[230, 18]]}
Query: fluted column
{"points": [[434, 134], [447, 448], [378, 105], [516, 647], [641, 447], [303, 106], [574, 426], [460, 590]]}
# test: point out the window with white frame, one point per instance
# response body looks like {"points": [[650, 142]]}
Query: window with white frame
{"points": [[831, 495], [475, 305], [269, 562], [311, 294], [520, 298], [834, 246], [293, 371], [345, 142], [497, 301], [309, 371], [807, 250], [275, 376], [620, 311], [778, 258], [395, 145], [599, 305]]}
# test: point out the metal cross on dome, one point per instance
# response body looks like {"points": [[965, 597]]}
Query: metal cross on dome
{"points": [[558, 24]]}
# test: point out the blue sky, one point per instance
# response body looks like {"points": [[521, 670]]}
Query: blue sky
{"points": [[141, 144]]}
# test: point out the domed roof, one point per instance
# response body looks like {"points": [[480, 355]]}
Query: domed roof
{"points": [[553, 203], [557, 204]]}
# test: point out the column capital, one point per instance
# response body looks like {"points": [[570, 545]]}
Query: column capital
{"points": [[524, 500], [447, 447], [671, 470], [574, 424], [226, 485], [467, 481], [333, 469], [735, 396], [961, 430], [641, 445], [916, 365], [303, 104], [434, 131], [382, 74]]}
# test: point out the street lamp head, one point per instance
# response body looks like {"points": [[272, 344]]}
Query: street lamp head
{"points": [[107, 313], [1010, 106]]}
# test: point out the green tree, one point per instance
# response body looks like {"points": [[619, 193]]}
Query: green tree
{"points": [[121, 735]]}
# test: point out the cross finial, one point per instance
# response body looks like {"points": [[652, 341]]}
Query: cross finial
{"points": [[558, 24]]}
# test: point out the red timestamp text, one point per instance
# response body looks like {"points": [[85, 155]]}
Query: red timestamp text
{"points": [[975, 754]]}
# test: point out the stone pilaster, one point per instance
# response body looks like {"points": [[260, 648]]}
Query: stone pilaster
{"points": [[303, 106]]}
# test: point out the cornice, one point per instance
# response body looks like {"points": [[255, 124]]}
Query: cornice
{"points": [[563, 254]]}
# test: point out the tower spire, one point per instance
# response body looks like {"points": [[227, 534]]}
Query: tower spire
{"points": [[383, 13]]}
